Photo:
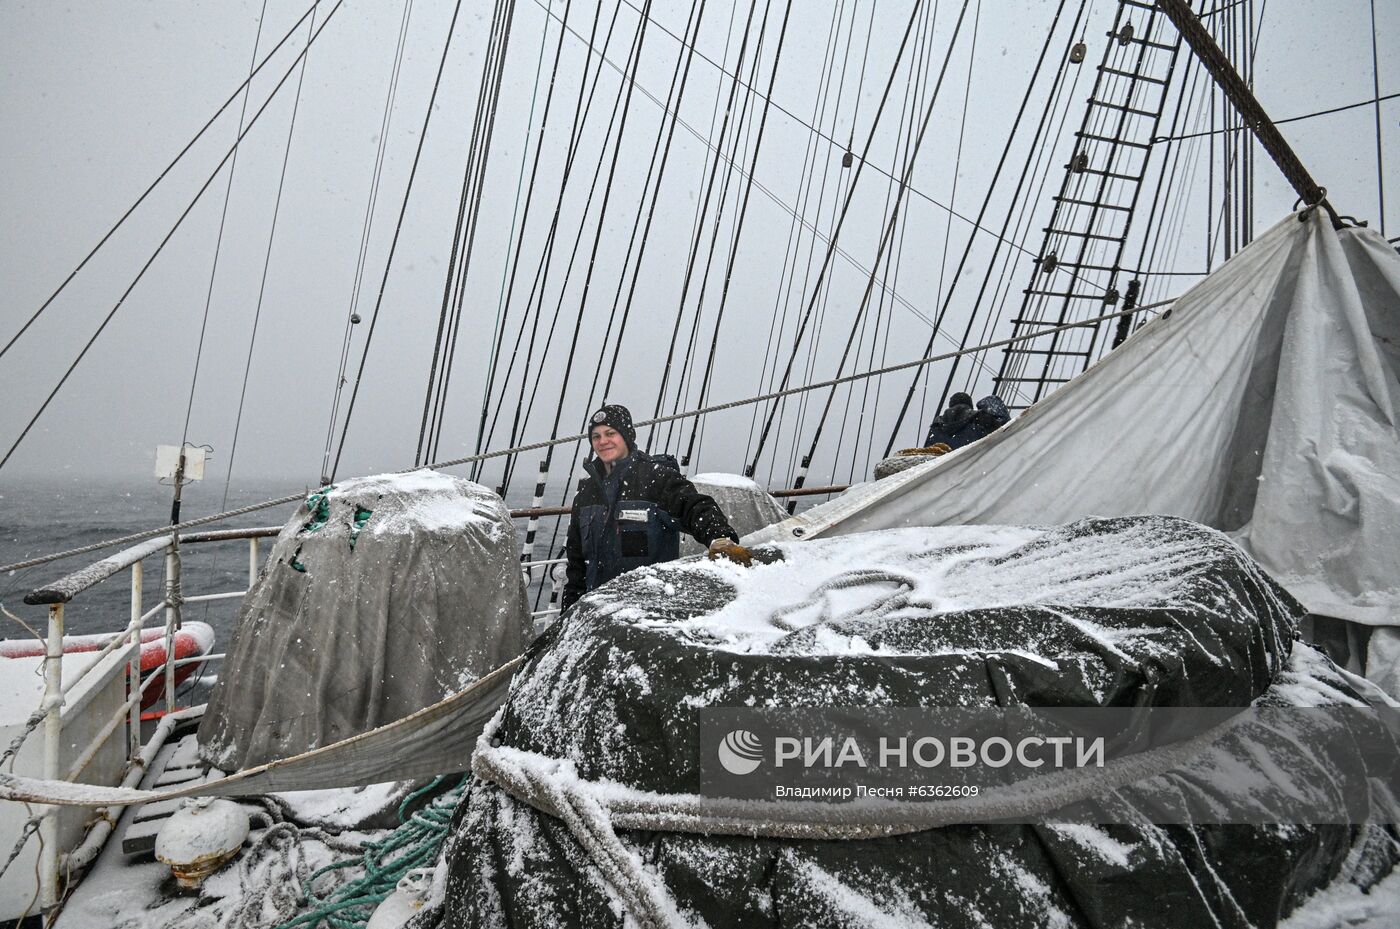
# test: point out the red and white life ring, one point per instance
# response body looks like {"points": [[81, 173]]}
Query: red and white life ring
{"points": [[192, 639]]}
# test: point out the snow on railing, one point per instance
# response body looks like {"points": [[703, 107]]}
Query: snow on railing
{"points": [[56, 596]]}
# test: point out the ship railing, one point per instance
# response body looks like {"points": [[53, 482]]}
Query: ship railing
{"points": [[127, 645]]}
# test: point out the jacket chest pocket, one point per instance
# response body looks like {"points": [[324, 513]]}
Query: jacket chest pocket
{"points": [[646, 532]]}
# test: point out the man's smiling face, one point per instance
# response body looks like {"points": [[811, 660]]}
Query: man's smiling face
{"points": [[608, 444]]}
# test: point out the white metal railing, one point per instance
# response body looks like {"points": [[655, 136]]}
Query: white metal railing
{"points": [[542, 564], [56, 596]]}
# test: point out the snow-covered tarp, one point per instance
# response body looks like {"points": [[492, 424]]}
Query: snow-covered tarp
{"points": [[1265, 404], [381, 596], [747, 506], [1139, 611]]}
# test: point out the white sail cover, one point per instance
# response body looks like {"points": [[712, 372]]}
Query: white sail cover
{"points": [[1264, 404]]}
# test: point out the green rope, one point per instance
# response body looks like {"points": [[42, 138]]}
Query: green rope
{"points": [[320, 508], [414, 844], [362, 516]]}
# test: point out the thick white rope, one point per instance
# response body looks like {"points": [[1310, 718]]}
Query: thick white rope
{"points": [[519, 774], [594, 812]]}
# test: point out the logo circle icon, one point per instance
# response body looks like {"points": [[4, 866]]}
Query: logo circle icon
{"points": [[741, 752]]}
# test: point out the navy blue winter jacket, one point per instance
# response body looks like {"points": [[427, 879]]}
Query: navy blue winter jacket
{"points": [[633, 517], [961, 425]]}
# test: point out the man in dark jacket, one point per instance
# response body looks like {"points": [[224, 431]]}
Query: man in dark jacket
{"points": [[962, 424], [630, 509]]}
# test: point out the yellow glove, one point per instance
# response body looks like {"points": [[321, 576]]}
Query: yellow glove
{"points": [[727, 548]]}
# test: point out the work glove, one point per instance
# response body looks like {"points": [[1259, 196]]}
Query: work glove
{"points": [[731, 550], [940, 448]]}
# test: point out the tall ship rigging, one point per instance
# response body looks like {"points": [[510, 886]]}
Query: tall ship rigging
{"points": [[586, 204]]}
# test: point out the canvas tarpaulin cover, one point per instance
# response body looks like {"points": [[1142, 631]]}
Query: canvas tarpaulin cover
{"points": [[1266, 404], [744, 504], [381, 596], [1147, 611]]}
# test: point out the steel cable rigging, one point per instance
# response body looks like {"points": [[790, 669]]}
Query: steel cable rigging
{"points": [[831, 140], [841, 185], [600, 227], [524, 409], [517, 219], [991, 188], [674, 95], [923, 36], [1103, 145], [738, 230], [582, 106], [829, 80], [262, 283], [701, 211], [953, 190], [164, 241], [927, 23], [923, 45], [778, 323], [1038, 169], [121, 220], [1172, 178], [1373, 101], [560, 440], [546, 462], [845, 208], [223, 215], [464, 233], [731, 154], [329, 473], [1163, 192], [672, 110], [736, 154], [893, 264], [764, 189], [366, 228], [888, 232], [517, 248], [1096, 143]]}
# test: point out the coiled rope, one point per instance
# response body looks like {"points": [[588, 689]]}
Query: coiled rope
{"points": [[413, 844]]}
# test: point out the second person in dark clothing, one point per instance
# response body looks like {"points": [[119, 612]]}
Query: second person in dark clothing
{"points": [[630, 510], [962, 424]]}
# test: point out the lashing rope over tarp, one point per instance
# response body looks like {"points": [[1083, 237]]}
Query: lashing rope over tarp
{"points": [[593, 812]]}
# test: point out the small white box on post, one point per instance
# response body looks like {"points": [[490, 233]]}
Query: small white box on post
{"points": [[168, 462]]}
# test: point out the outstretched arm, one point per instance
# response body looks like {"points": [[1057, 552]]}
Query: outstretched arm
{"points": [[698, 514]]}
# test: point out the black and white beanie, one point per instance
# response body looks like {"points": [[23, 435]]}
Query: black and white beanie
{"points": [[618, 417]]}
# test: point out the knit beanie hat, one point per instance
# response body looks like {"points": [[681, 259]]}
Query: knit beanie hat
{"points": [[618, 417]]}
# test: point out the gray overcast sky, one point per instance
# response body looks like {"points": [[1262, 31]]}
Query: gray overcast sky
{"points": [[97, 97]]}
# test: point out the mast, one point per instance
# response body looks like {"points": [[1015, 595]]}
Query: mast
{"points": [[1243, 99]]}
